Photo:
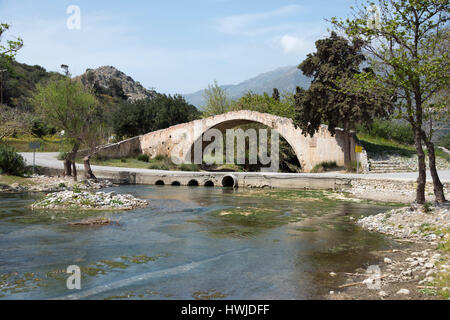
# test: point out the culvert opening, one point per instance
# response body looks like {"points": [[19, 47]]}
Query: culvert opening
{"points": [[176, 183], [209, 183], [159, 183], [193, 183], [228, 181]]}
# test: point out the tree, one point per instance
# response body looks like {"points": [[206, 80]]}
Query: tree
{"points": [[13, 122], [264, 103], [330, 99], [216, 100], [11, 47], [276, 94], [405, 50], [133, 118], [67, 105]]}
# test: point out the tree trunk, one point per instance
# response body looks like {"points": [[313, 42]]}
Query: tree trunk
{"points": [[88, 174], [74, 165], [347, 146], [437, 185], [421, 180], [67, 167]]}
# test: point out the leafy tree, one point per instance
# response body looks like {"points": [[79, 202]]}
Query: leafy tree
{"points": [[11, 47], [330, 99], [407, 50], [13, 122], [133, 118], [276, 94], [264, 103], [216, 100], [67, 105]]}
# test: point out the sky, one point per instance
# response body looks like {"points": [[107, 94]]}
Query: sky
{"points": [[172, 46]]}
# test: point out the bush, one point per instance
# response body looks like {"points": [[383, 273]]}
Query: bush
{"points": [[324, 166], [143, 157], [11, 162], [444, 141], [391, 130], [188, 167]]}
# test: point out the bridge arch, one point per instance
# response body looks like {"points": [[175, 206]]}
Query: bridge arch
{"points": [[234, 119], [176, 141]]}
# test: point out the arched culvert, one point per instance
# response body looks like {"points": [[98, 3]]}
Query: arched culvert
{"points": [[193, 183], [229, 181], [176, 183], [209, 183], [159, 183]]}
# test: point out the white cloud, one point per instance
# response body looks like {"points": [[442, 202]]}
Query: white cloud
{"points": [[291, 44], [242, 23]]}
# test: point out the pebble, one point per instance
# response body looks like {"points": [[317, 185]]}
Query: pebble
{"points": [[403, 291]]}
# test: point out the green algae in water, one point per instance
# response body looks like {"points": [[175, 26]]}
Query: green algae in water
{"points": [[208, 295], [114, 264], [141, 259]]}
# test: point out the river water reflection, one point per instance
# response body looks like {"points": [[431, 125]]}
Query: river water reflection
{"points": [[190, 243]]}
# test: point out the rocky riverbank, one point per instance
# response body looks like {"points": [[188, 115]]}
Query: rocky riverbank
{"points": [[84, 200], [418, 269], [41, 183]]}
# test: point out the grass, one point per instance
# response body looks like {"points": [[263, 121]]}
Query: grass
{"points": [[48, 144], [381, 145], [9, 180]]}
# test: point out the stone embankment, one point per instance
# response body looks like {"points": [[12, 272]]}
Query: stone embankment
{"points": [[84, 200]]}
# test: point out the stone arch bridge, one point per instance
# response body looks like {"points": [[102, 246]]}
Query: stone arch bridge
{"points": [[177, 141]]}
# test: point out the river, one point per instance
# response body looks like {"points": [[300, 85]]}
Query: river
{"points": [[190, 243]]}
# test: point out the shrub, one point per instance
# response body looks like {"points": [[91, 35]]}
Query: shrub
{"points": [[391, 130], [444, 141], [123, 160], [143, 157], [188, 167], [158, 166], [11, 162], [324, 166]]}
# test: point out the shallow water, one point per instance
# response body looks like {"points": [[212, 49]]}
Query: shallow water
{"points": [[190, 243]]}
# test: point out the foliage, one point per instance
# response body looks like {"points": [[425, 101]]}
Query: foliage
{"points": [[11, 162], [328, 100], [444, 141], [67, 105], [13, 122], [10, 48], [133, 118], [216, 100], [20, 80], [324, 166], [143, 157], [408, 52], [265, 104], [391, 130]]}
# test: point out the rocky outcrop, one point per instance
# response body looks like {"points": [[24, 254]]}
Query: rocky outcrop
{"points": [[114, 82]]}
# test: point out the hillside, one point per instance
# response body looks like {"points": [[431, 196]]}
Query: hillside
{"points": [[108, 80], [285, 79], [19, 81]]}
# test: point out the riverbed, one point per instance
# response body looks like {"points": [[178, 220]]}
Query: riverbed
{"points": [[189, 243]]}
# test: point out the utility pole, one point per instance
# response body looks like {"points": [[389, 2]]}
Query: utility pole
{"points": [[1, 86]]}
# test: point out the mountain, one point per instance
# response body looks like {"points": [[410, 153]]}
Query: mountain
{"points": [[285, 79], [108, 80]]}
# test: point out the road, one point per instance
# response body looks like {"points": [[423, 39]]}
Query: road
{"points": [[49, 159]]}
